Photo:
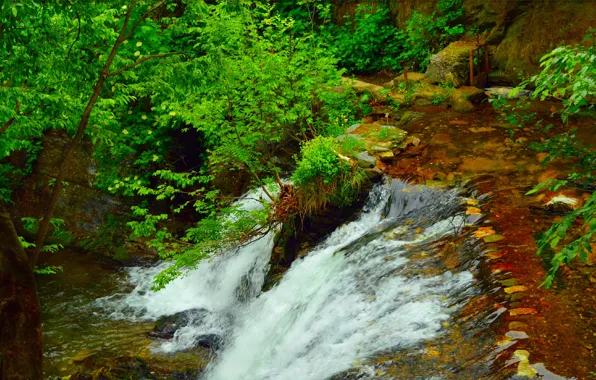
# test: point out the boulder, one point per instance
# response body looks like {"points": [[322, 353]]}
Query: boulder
{"points": [[460, 103], [374, 175], [451, 65], [410, 117], [365, 160], [89, 214], [562, 204], [429, 95], [166, 327], [473, 94], [519, 32], [413, 78], [363, 87]]}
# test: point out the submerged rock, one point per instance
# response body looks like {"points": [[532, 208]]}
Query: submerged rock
{"points": [[166, 327], [125, 367], [410, 117]]}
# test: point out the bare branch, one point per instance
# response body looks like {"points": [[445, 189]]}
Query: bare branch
{"points": [[146, 58]]}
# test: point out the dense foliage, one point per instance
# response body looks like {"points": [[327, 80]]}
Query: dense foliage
{"points": [[254, 91], [370, 42], [178, 95]]}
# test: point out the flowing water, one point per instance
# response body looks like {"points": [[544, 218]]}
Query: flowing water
{"points": [[354, 295], [376, 286], [412, 288]]}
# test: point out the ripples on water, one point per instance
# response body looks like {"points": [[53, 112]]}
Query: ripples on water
{"points": [[374, 285]]}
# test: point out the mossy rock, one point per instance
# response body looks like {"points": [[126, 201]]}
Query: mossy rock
{"points": [[451, 64], [460, 103]]}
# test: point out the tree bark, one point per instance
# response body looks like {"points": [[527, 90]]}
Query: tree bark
{"points": [[20, 312]]}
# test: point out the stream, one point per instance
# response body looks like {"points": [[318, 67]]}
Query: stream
{"points": [[392, 282]]}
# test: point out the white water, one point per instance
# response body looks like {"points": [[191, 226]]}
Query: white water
{"points": [[214, 287], [355, 295], [349, 298]]}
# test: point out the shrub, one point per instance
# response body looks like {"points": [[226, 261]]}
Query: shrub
{"points": [[369, 42], [324, 176], [427, 35]]}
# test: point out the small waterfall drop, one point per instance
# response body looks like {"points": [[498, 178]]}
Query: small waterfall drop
{"points": [[352, 296], [212, 293], [359, 293]]}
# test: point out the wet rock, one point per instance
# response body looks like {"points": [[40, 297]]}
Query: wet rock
{"points": [[374, 174], [450, 64], [506, 92], [126, 367], [493, 238], [523, 368], [460, 103], [516, 335], [410, 140], [522, 311], [473, 94], [517, 325], [385, 156], [212, 341], [365, 160], [509, 282], [515, 289], [410, 117], [562, 204], [166, 327], [379, 149]]}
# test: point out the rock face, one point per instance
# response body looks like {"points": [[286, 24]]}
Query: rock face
{"points": [[85, 209], [518, 32]]}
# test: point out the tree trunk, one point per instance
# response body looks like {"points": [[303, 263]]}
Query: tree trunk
{"points": [[44, 226], [20, 312]]}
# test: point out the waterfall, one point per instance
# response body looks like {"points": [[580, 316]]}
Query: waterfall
{"points": [[352, 296], [365, 289], [212, 293]]}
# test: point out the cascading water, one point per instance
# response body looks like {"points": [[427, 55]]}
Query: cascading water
{"points": [[357, 294], [215, 291], [352, 296]]}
